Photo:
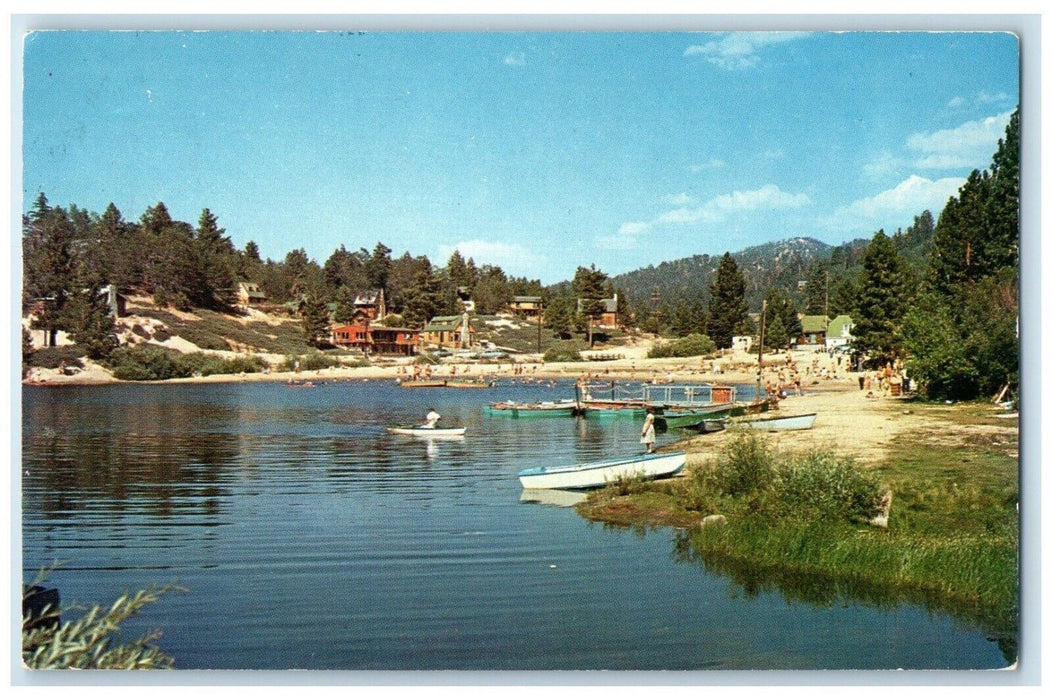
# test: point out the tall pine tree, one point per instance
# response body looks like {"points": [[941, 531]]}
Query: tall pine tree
{"points": [[882, 300], [728, 310]]}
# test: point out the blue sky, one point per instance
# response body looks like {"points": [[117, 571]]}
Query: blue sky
{"points": [[538, 152]]}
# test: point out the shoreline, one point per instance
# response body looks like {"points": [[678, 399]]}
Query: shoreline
{"points": [[732, 368]]}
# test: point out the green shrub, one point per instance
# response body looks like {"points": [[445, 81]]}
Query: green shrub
{"points": [[146, 363], [691, 346], [310, 362], [53, 357], [822, 485], [563, 352], [746, 465], [92, 641]]}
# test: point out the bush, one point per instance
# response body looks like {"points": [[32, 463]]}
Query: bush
{"points": [[92, 641], [53, 357], [145, 363], [746, 465], [817, 485], [563, 352], [691, 346], [309, 362], [822, 485]]}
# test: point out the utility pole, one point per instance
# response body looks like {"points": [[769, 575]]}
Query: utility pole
{"points": [[540, 322]]}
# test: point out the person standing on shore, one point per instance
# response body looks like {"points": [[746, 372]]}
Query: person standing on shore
{"points": [[647, 435]]}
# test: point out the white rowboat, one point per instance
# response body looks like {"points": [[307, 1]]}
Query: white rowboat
{"points": [[596, 474], [426, 432], [804, 421]]}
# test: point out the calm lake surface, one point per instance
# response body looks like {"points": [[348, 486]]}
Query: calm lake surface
{"points": [[308, 538]]}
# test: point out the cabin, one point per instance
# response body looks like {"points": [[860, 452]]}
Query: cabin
{"points": [[742, 342], [526, 307], [838, 333], [608, 317], [249, 294], [813, 330], [377, 340], [450, 332]]}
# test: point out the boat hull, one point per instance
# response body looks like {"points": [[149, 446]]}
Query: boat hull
{"points": [[532, 410], [426, 432], [692, 417], [597, 474], [801, 422]]}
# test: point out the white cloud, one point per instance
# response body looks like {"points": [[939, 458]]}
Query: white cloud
{"points": [[955, 102], [633, 228], [738, 50], [767, 197], [712, 164], [715, 210], [895, 207], [517, 58], [884, 164], [999, 98], [679, 200], [616, 242], [970, 145], [510, 257]]}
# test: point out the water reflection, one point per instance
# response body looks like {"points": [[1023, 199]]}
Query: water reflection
{"points": [[553, 497], [749, 581]]}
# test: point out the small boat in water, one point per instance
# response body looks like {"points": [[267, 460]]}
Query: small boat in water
{"points": [[533, 410], [804, 421], [596, 474], [420, 431]]}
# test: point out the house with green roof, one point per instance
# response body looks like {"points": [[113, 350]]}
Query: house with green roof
{"points": [[450, 331], [813, 330], [838, 332]]}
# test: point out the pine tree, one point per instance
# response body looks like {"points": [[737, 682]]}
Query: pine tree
{"points": [[558, 315], [728, 309], [217, 259], [48, 265], [315, 322], [90, 324], [589, 285], [882, 300], [344, 305]]}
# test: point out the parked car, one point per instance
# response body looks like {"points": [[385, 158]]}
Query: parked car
{"points": [[494, 355]]}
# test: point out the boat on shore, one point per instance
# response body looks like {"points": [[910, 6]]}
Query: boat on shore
{"points": [[542, 409], [690, 417], [421, 431], [597, 474], [710, 425], [803, 421]]}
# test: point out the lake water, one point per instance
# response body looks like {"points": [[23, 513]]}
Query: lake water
{"points": [[308, 538]]}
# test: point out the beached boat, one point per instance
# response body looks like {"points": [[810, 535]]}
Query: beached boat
{"points": [[596, 474], [803, 421], [690, 417], [540, 409], [710, 425], [420, 431]]}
